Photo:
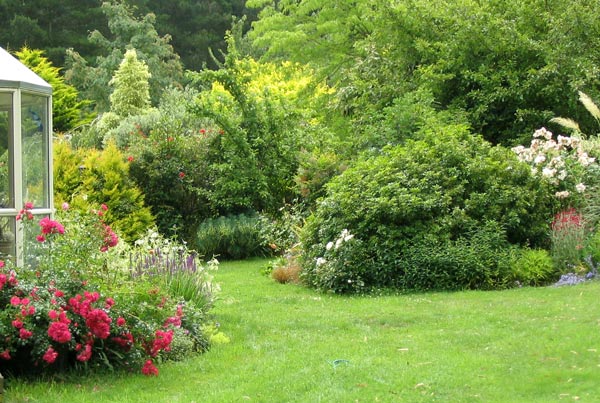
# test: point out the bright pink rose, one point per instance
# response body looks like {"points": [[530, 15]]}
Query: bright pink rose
{"points": [[50, 355], [149, 369], [25, 334], [59, 332]]}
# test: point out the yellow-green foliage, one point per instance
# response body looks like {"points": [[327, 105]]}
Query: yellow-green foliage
{"points": [[290, 85], [87, 178]]}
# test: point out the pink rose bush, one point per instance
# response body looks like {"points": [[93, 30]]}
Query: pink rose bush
{"points": [[54, 318]]}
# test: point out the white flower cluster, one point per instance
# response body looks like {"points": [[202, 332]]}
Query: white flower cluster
{"points": [[345, 236], [550, 158]]}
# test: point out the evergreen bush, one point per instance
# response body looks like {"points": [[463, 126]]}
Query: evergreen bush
{"points": [[434, 193], [232, 237]]}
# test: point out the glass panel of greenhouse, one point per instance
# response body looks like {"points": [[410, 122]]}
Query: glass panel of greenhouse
{"points": [[25, 150]]}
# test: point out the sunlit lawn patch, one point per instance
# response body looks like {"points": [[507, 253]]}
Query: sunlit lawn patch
{"points": [[290, 344]]}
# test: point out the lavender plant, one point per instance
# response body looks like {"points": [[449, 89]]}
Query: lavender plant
{"points": [[174, 267]]}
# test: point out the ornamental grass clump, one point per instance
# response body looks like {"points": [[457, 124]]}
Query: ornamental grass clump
{"points": [[175, 267]]}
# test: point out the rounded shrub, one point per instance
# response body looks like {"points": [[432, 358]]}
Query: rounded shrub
{"points": [[231, 237], [423, 196], [533, 267]]}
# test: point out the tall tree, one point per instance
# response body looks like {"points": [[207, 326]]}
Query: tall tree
{"points": [[196, 25], [507, 66], [50, 25], [127, 32]]}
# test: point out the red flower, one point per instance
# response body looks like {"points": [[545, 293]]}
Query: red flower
{"points": [[51, 227], [130, 158], [125, 341], [110, 239], [181, 175], [59, 331], [5, 355], [149, 369], [17, 324], [2, 280], [173, 320], [161, 342], [59, 294], [566, 219], [50, 355], [99, 323], [86, 354], [15, 301], [62, 318], [40, 238], [120, 321], [25, 334], [109, 302], [13, 280], [91, 296]]}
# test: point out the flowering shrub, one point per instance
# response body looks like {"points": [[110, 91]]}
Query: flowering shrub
{"points": [[561, 162], [55, 319], [175, 277], [337, 269], [80, 250], [399, 205], [54, 325]]}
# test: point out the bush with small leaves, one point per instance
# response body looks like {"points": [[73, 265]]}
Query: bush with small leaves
{"points": [[428, 193], [533, 267]]}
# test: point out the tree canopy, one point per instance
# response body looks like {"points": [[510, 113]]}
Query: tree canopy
{"points": [[194, 25]]}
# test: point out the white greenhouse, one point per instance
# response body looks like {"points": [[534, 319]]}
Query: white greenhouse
{"points": [[25, 151]]}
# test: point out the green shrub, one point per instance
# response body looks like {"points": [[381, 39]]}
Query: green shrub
{"points": [[181, 346], [171, 169], [477, 260], [437, 190], [232, 237], [592, 248], [88, 177], [533, 267], [282, 233]]}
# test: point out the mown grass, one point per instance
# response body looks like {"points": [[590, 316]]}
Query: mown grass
{"points": [[290, 344]]}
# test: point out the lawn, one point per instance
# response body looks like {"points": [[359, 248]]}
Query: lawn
{"points": [[291, 344]]}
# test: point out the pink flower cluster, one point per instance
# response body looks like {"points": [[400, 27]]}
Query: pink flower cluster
{"points": [[110, 239], [49, 227]]}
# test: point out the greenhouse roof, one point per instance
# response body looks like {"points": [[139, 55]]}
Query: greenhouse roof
{"points": [[14, 74]]}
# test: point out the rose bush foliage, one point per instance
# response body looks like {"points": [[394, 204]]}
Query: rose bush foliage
{"points": [[55, 319]]}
